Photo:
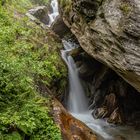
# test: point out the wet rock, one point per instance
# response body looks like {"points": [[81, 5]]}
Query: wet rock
{"points": [[41, 13], [100, 112], [84, 70], [111, 102], [59, 27], [120, 138], [115, 117], [75, 52], [109, 105], [87, 7], [71, 128]]}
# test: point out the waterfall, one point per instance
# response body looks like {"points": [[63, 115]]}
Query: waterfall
{"points": [[77, 101], [55, 12]]}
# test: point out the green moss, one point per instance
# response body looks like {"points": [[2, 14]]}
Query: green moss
{"points": [[27, 54], [66, 5], [126, 8]]}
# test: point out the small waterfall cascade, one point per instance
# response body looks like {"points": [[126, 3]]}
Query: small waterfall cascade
{"points": [[77, 101], [55, 12]]}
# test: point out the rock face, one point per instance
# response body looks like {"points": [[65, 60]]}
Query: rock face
{"points": [[41, 13], [71, 128], [59, 27], [108, 30]]}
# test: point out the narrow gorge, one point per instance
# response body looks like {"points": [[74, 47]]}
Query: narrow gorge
{"points": [[72, 70]]}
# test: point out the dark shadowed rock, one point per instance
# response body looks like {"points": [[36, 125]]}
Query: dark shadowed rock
{"points": [[115, 117], [59, 27], [120, 138]]}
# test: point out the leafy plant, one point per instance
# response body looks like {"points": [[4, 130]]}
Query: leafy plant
{"points": [[27, 54]]}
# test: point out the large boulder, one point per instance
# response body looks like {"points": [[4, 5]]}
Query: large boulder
{"points": [[41, 13], [59, 27], [71, 128], [109, 31]]}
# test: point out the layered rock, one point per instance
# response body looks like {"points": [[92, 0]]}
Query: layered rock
{"points": [[71, 128], [109, 31]]}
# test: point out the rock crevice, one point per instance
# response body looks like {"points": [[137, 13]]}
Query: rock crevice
{"points": [[109, 95]]}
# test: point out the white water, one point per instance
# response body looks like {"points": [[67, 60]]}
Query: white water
{"points": [[77, 102], [55, 12], [106, 131]]}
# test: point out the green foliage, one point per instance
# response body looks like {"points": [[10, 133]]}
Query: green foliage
{"points": [[66, 4], [40, 2], [30, 120], [12, 136], [27, 54]]}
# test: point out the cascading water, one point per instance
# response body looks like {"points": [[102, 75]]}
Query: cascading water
{"points": [[77, 102], [55, 12]]}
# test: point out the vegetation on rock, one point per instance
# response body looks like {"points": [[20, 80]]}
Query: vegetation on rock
{"points": [[126, 8], [28, 55]]}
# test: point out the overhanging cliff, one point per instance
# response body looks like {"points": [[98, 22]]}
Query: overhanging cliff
{"points": [[109, 31]]}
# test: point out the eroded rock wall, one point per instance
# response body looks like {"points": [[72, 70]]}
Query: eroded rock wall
{"points": [[109, 95], [109, 31]]}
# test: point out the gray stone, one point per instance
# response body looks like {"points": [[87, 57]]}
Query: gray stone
{"points": [[112, 36], [59, 27], [41, 13]]}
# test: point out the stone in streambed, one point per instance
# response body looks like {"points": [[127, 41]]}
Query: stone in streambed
{"points": [[110, 102], [100, 112], [115, 117], [71, 128]]}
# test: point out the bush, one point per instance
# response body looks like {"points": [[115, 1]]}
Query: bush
{"points": [[26, 57]]}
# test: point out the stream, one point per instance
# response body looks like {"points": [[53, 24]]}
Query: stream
{"points": [[77, 103]]}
